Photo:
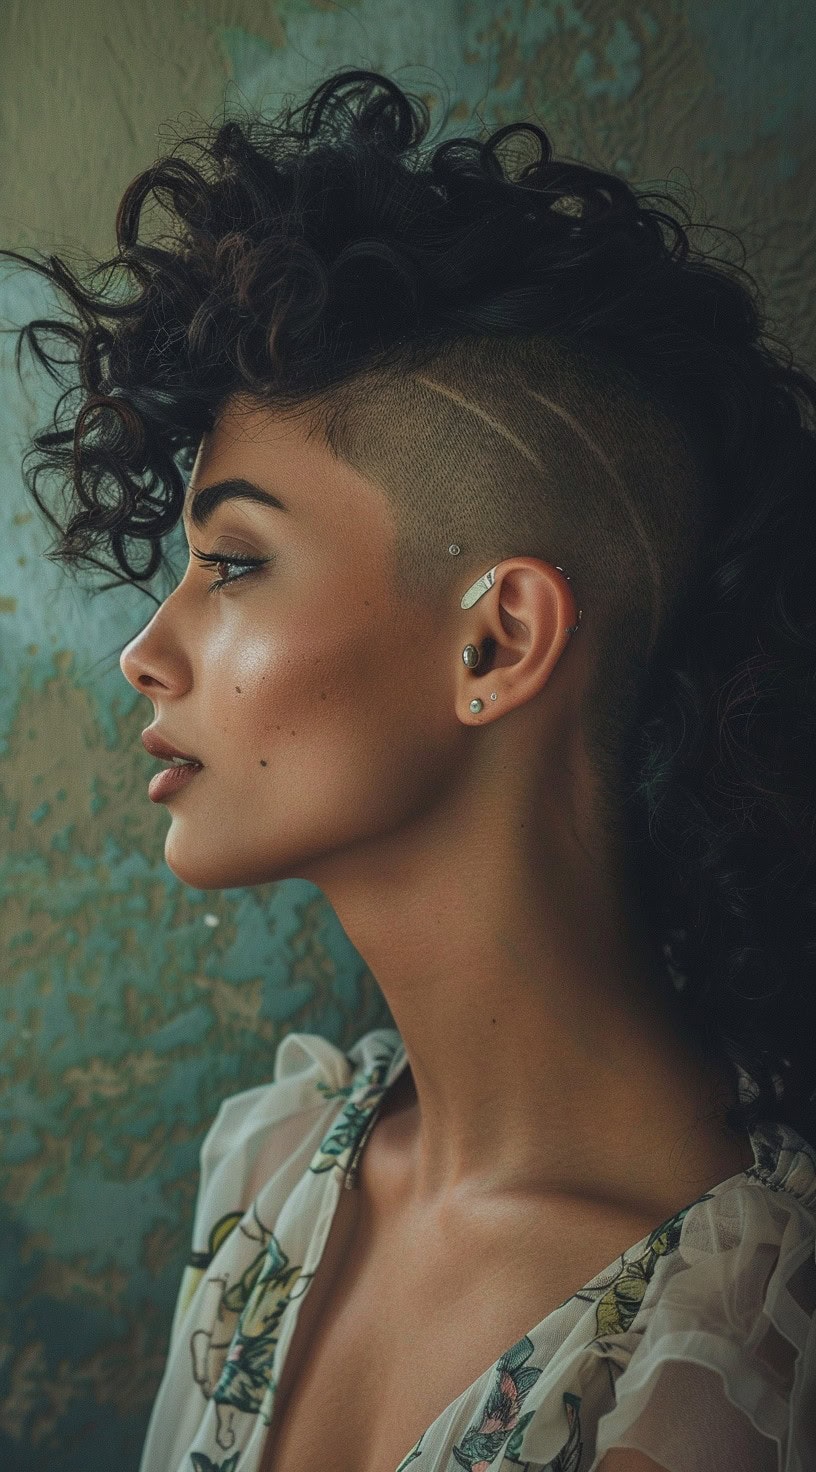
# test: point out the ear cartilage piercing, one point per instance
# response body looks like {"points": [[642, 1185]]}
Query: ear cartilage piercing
{"points": [[480, 586], [476, 706], [573, 628], [471, 655]]}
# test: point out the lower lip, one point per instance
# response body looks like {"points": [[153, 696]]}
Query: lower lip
{"points": [[165, 783]]}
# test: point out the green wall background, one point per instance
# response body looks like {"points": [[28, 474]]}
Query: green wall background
{"points": [[130, 1005]]}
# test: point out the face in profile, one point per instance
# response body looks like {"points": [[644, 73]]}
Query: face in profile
{"points": [[321, 708]]}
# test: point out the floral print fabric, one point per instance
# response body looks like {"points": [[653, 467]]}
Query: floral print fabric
{"points": [[715, 1307]]}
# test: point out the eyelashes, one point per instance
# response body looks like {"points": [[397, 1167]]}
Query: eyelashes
{"points": [[231, 560]]}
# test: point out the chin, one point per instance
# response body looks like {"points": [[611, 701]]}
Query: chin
{"points": [[214, 870], [211, 870]]}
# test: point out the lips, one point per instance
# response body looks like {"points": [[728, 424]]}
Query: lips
{"points": [[157, 746]]}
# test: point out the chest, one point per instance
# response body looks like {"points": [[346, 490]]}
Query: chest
{"points": [[400, 1319]]}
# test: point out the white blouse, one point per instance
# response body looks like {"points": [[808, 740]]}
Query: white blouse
{"points": [[696, 1346]]}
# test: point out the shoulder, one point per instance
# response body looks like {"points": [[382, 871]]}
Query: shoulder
{"points": [[263, 1126], [726, 1325], [308, 1071]]}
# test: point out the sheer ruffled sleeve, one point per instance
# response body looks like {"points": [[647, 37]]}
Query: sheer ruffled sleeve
{"points": [[723, 1377], [264, 1204], [258, 1135]]}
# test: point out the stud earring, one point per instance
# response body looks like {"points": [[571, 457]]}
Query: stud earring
{"points": [[471, 655], [476, 706]]}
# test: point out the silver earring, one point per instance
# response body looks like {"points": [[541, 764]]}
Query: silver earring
{"points": [[471, 655], [480, 586], [476, 706], [487, 580], [573, 628]]}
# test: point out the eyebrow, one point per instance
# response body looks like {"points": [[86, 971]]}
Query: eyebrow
{"points": [[207, 498]]}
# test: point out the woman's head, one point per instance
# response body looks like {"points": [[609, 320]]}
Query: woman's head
{"points": [[329, 679], [529, 362], [329, 707], [305, 685]]}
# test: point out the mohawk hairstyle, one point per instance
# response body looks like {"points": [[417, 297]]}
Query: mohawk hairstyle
{"points": [[529, 359]]}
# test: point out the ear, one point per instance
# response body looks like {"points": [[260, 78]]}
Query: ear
{"points": [[521, 627]]}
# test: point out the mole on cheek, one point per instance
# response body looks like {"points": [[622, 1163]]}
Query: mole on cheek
{"points": [[238, 689], [263, 763]]}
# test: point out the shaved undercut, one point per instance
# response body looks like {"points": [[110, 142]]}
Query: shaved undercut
{"points": [[533, 447]]}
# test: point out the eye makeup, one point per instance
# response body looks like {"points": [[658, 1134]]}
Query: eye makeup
{"points": [[229, 559]]}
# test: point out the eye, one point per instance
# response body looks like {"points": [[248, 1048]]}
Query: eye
{"points": [[229, 560]]}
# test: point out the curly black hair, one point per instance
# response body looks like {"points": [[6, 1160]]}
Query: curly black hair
{"points": [[529, 351]]}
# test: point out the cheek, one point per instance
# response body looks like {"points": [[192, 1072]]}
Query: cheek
{"points": [[331, 738], [323, 720], [272, 695]]}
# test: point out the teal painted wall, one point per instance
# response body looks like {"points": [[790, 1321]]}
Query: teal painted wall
{"points": [[130, 1005]]}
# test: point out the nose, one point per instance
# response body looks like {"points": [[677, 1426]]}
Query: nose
{"points": [[136, 665], [152, 662]]}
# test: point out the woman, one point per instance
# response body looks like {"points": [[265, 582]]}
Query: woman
{"points": [[509, 649]]}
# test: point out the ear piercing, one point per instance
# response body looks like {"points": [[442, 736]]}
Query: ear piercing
{"points": [[476, 705], [471, 654]]}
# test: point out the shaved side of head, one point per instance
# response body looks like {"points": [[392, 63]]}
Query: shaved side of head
{"points": [[533, 447]]}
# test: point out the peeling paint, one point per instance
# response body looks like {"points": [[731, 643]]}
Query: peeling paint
{"points": [[618, 74], [762, 58]]}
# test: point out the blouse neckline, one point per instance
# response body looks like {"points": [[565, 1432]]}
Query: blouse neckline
{"points": [[783, 1161]]}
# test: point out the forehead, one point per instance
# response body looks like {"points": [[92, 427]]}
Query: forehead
{"points": [[290, 458], [247, 436]]}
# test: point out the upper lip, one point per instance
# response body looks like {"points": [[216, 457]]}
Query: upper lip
{"points": [[157, 746]]}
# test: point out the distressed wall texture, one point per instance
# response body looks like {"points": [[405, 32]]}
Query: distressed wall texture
{"points": [[131, 1005]]}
